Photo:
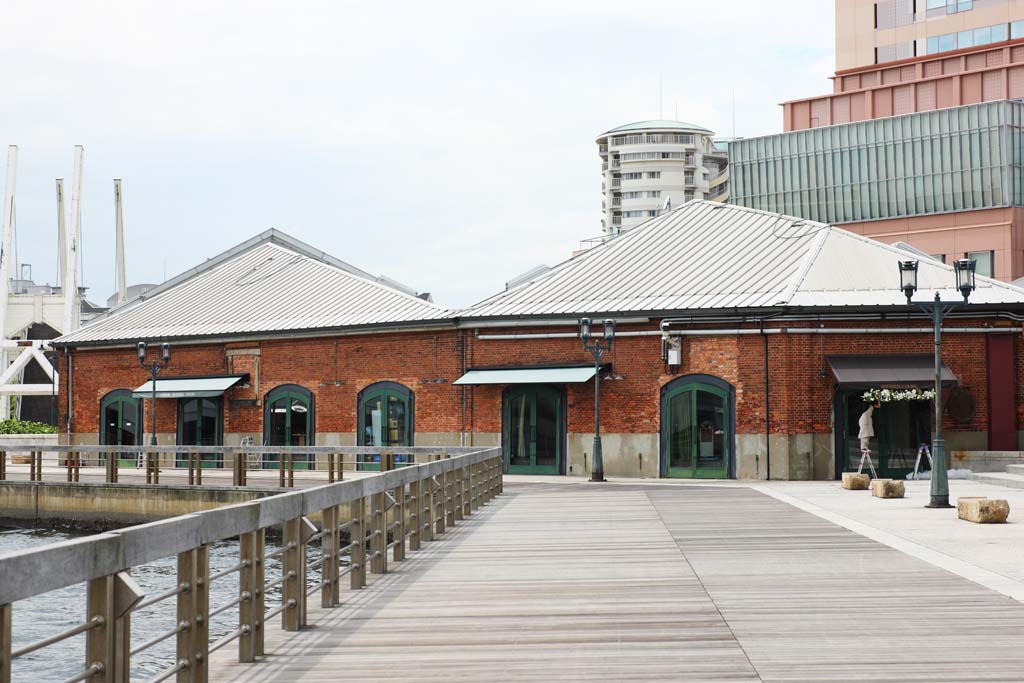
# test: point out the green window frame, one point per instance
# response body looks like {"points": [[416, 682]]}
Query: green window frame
{"points": [[207, 429], [126, 411], [394, 426], [527, 447], [289, 419], [698, 428]]}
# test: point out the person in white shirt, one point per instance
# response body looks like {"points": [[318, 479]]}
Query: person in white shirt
{"points": [[867, 428]]}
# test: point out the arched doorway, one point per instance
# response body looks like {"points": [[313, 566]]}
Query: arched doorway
{"points": [[533, 429], [698, 428], [386, 418], [289, 420], [200, 424], [120, 423]]}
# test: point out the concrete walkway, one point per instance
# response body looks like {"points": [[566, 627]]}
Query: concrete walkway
{"points": [[564, 581]]}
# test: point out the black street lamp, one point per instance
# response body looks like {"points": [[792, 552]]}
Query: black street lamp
{"points": [[155, 367], [964, 269], [597, 349]]}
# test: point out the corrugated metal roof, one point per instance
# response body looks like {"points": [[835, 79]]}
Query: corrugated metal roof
{"points": [[272, 283], [706, 255], [657, 124]]}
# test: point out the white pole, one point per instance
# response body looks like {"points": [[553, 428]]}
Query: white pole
{"points": [[122, 286], [8, 236], [5, 261], [72, 312], [62, 233]]}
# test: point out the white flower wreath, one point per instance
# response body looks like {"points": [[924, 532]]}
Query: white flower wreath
{"points": [[890, 395]]}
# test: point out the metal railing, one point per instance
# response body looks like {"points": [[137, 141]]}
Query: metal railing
{"points": [[69, 463], [362, 520]]}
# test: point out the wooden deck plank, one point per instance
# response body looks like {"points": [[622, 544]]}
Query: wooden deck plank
{"points": [[562, 582]]}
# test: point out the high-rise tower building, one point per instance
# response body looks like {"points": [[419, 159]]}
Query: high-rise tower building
{"points": [[651, 164]]}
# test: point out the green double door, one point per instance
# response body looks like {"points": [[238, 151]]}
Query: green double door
{"points": [[385, 416], [696, 427], [199, 424], [288, 422], [121, 415], [900, 429], [533, 430]]}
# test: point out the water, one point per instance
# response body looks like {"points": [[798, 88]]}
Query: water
{"points": [[48, 614]]}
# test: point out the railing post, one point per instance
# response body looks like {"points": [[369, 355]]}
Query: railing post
{"points": [[330, 593], [280, 468], [259, 580], [357, 536], [449, 497], [3, 465], [341, 467], [291, 470], [415, 514], [193, 640], [467, 490], [5, 643], [248, 618], [460, 494], [398, 550], [439, 505], [99, 641], [153, 467], [379, 534], [293, 589], [427, 508]]}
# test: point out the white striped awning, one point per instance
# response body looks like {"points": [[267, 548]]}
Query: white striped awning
{"points": [[562, 375], [188, 387]]}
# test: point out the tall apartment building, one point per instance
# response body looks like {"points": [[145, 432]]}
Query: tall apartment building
{"points": [[917, 142], [646, 164]]}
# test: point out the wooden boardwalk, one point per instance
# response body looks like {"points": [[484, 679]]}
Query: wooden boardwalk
{"points": [[568, 582]]}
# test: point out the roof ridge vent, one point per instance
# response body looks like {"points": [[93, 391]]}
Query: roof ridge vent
{"points": [[523, 278]]}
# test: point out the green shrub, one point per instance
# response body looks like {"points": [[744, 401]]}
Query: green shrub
{"points": [[25, 427]]}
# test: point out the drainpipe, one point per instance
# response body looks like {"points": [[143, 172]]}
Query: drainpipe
{"points": [[767, 403], [67, 353]]}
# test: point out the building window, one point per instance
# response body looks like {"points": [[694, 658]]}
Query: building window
{"points": [[632, 176], [386, 412], [941, 258], [984, 262], [654, 194], [1017, 29], [971, 38], [654, 175]]}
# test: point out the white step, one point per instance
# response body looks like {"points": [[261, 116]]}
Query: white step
{"points": [[1015, 469], [1009, 480]]}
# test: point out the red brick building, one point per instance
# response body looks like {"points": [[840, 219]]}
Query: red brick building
{"points": [[766, 315]]}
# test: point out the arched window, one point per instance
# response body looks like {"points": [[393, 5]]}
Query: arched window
{"points": [[289, 420], [698, 428], [385, 417]]}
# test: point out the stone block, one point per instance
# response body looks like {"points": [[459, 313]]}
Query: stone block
{"points": [[855, 482], [981, 510], [887, 488]]}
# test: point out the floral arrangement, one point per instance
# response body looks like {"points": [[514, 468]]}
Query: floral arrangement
{"points": [[890, 395]]}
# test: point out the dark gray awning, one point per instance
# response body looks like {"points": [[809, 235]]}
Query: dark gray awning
{"points": [[894, 370]]}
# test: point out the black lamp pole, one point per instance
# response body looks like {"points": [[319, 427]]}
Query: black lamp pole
{"points": [[598, 349], [964, 269], [155, 367]]}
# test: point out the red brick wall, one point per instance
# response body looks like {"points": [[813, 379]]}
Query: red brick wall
{"points": [[336, 369]]}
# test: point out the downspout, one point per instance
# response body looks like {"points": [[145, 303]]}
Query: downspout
{"points": [[462, 420], [767, 420], [67, 353]]}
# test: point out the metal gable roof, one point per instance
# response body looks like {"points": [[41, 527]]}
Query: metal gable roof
{"points": [[268, 284], [706, 255]]}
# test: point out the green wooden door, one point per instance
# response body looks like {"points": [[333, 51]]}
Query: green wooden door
{"points": [[288, 422], [696, 428], [385, 418], [199, 424], [533, 430], [121, 425]]}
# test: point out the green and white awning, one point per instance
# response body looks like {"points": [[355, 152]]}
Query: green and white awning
{"points": [[188, 387], [562, 375]]}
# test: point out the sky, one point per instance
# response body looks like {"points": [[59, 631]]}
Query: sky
{"points": [[448, 145]]}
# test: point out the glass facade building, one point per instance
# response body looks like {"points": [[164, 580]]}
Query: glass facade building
{"points": [[954, 159]]}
